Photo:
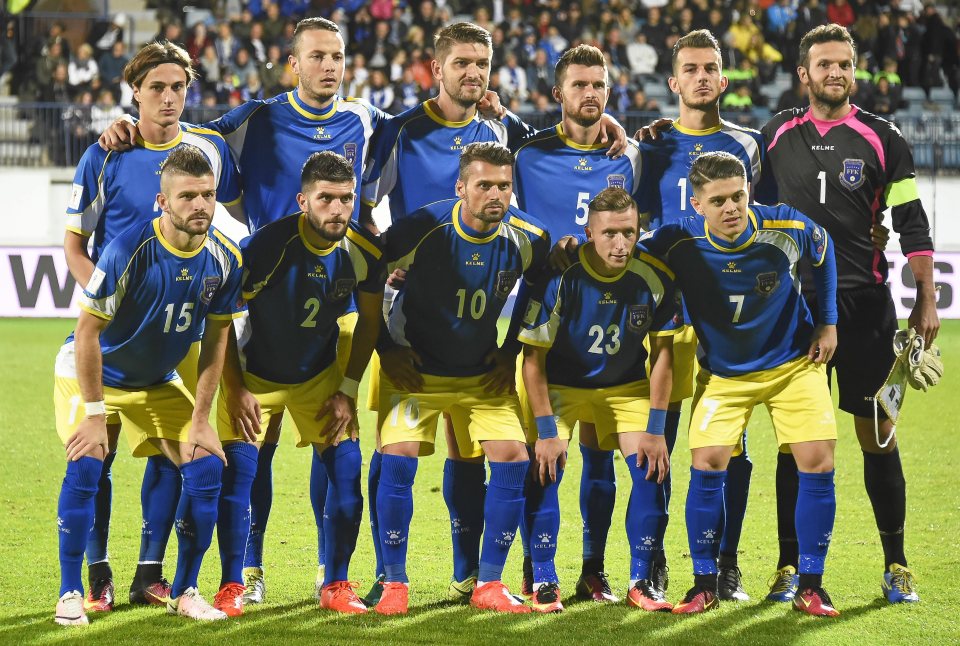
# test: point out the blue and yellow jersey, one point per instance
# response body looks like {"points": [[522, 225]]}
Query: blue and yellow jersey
{"points": [[555, 178], [665, 194], [113, 191], [155, 298], [295, 292], [595, 325], [457, 283], [271, 140], [743, 297], [415, 158]]}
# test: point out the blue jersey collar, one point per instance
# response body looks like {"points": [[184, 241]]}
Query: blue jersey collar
{"points": [[743, 241], [312, 113]]}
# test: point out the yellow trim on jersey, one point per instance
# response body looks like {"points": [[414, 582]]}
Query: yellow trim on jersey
{"points": [[651, 260], [581, 254], [228, 243], [368, 203], [301, 222], [753, 220], [309, 115], [99, 315], [169, 247], [249, 296], [225, 317], [696, 133], [672, 332], [231, 203], [514, 221], [167, 146], [572, 144], [466, 236], [826, 245], [203, 131], [784, 224], [443, 122], [79, 232], [362, 242]]}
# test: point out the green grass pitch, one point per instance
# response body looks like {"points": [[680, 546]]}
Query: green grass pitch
{"points": [[32, 467]]}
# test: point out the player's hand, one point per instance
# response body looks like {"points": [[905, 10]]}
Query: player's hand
{"points": [[563, 253], [244, 410], [342, 411], [202, 435], [612, 131], [551, 454], [879, 236], [91, 433], [823, 344], [396, 279], [501, 380], [924, 318], [653, 452], [651, 132], [119, 135], [490, 107], [399, 364]]}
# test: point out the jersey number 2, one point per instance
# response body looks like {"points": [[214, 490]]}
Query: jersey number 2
{"points": [[597, 346]]}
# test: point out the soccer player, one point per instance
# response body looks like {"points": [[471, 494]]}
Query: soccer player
{"points": [[300, 273], [737, 269], [111, 192], [153, 285], [462, 258], [583, 358], [558, 171], [843, 167]]}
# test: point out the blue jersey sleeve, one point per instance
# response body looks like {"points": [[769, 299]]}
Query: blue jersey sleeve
{"points": [[371, 249], [227, 302], [541, 317], [228, 185], [380, 162], [86, 195], [517, 130], [405, 234], [107, 285], [817, 246]]}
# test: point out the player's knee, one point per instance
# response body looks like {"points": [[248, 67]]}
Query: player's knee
{"points": [[588, 436], [711, 458], [402, 449], [867, 435], [505, 451], [814, 457]]}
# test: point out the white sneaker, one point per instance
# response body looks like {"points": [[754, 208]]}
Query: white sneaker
{"points": [[70, 610], [191, 605], [256, 589], [318, 584]]}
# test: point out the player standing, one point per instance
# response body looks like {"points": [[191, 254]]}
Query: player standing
{"points": [[558, 171], [111, 192], [843, 167], [153, 285], [583, 358], [462, 259], [301, 272], [737, 268]]}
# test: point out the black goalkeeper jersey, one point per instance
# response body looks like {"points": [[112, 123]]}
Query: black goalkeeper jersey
{"points": [[843, 174]]}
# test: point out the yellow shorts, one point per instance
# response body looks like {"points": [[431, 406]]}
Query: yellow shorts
{"points": [[796, 395], [527, 416], [684, 363], [476, 414], [373, 386], [614, 410], [347, 324], [187, 369], [302, 401]]}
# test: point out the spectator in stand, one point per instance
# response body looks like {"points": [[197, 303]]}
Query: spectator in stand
{"points": [[540, 75], [527, 50], [252, 88], [377, 49], [810, 14], [886, 44], [105, 33], [241, 67], [684, 24], [910, 39], [226, 45], [884, 103], [381, 9], [208, 110], [425, 17], [256, 44], [408, 93], [554, 43], [104, 112], [397, 64], [841, 12], [764, 57], [621, 96], [76, 128], [741, 32], [46, 65], [657, 32], [420, 66], [361, 30], [54, 35], [271, 72], [781, 17], [415, 40], [173, 32], [701, 14], [939, 52], [199, 38], [795, 97], [643, 104], [627, 24], [398, 26], [82, 69], [349, 86], [643, 58], [572, 24], [360, 71], [546, 105], [864, 89], [378, 92], [208, 67], [111, 66], [274, 23], [513, 78], [739, 100], [58, 89], [616, 48], [340, 17], [499, 56], [243, 27]]}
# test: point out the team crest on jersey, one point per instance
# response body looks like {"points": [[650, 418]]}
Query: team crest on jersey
{"points": [[210, 285], [638, 317], [350, 152], [533, 311], [342, 288], [505, 282], [322, 133], [817, 236], [767, 283], [616, 181], [852, 174]]}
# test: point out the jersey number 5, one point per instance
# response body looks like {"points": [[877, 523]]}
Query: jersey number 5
{"points": [[183, 320], [583, 208]]}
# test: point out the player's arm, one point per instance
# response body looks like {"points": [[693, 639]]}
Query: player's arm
{"points": [[923, 317], [209, 369], [90, 437], [242, 406], [78, 257], [824, 341], [550, 450], [119, 135], [653, 446]]}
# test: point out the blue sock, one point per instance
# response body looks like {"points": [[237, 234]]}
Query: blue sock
{"points": [[233, 514], [464, 491], [344, 509], [735, 501], [705, 518], [196, 518], [598, 492], [373, 484], [646, 517], [261, 499], [816, 510], [502, 512], [75, 510], [100, 532], [159, 497], [670, 435], [318, 498], [541, 523], [394, 511]]}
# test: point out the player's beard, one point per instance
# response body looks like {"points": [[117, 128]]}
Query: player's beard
{"points": [[696, 101], [192, 225], [584, 120], [324, 230], [491, 217], [819, 93], [464, 97]]}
